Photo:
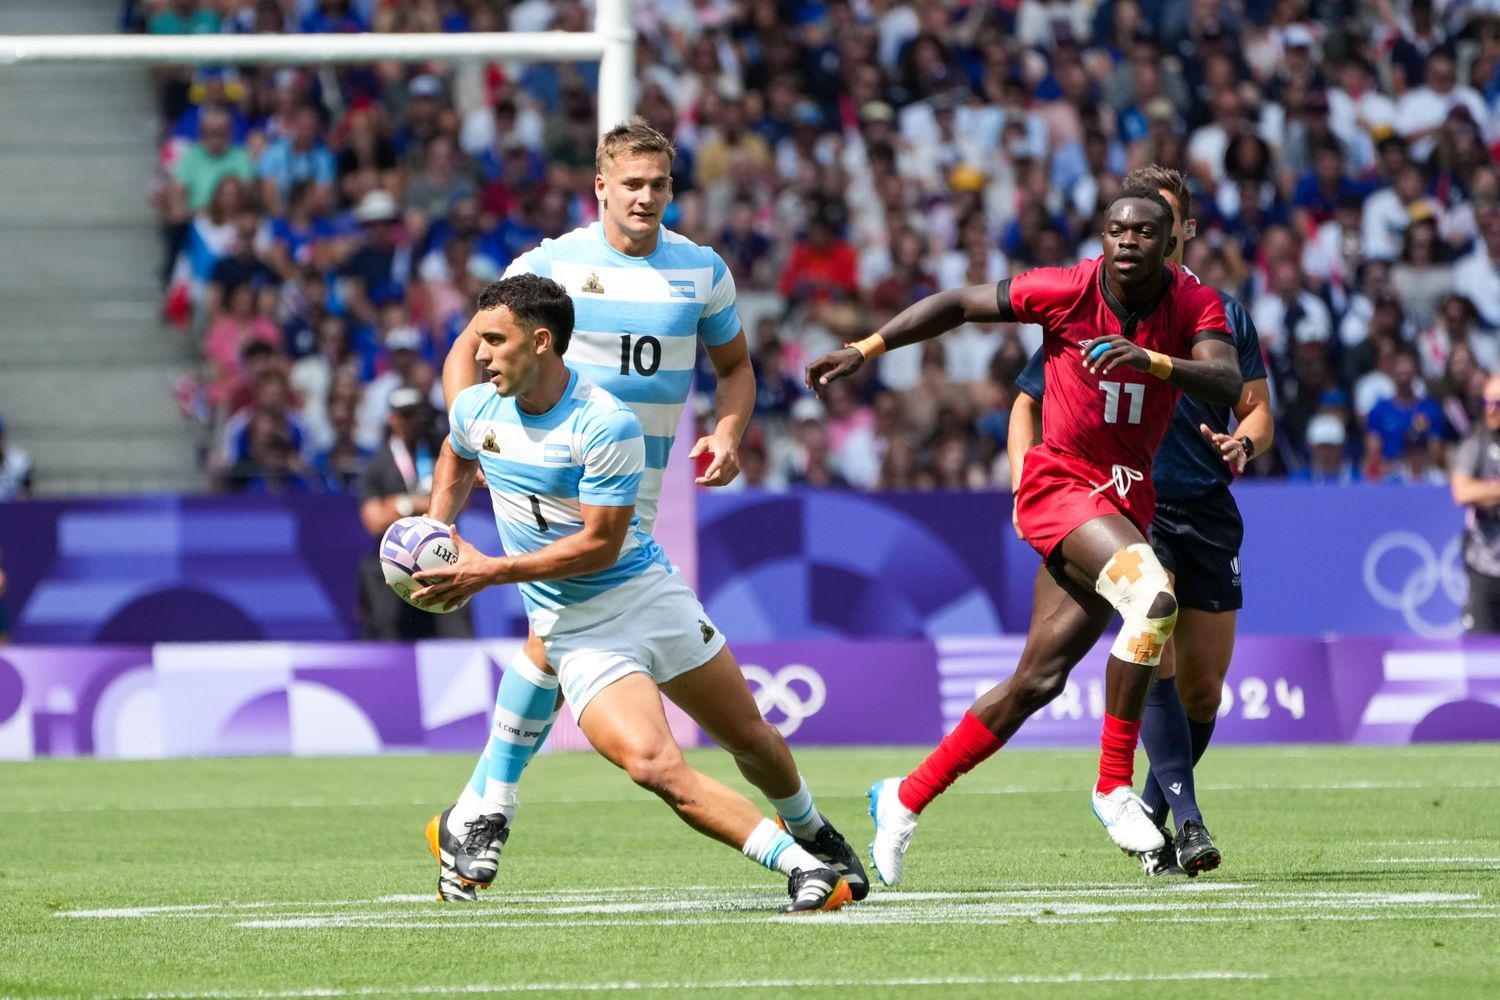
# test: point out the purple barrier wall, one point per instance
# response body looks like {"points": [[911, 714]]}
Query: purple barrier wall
{"points": [[209, 699]]}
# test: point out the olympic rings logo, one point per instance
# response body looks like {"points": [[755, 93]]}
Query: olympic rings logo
{"points": [[795, 691], [1433, 570]]}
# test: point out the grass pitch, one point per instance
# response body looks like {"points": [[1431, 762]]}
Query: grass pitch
{"points": [[1348, 873]]}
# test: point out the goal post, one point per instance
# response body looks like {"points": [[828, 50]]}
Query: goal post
{"points": [[612, 43]]}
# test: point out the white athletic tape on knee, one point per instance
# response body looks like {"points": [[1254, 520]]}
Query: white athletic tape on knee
{"points": [[1130, 582], [521, 664]]}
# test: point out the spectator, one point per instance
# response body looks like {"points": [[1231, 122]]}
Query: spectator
{"points": [[1420, 112], [1329, 463], [1475, 482], [376, 272], [15, 471], [1406, 422], [1478, 274], [269, 461], [271, 407], [397, 483], [1454, 326], [811, 460], [822, 266], [340, 466], [298, 156], [313, 376], [242, 266], [1424, 275], [228, 337], [204, 163]]}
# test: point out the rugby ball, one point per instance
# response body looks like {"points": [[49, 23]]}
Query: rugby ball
{"points": [[411, 545]]}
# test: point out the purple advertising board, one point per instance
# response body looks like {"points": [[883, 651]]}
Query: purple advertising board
{"points": [[1278, 692], [309, 699]]}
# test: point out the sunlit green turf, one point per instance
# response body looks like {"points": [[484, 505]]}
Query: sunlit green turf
{"points": [[1349, 873]]}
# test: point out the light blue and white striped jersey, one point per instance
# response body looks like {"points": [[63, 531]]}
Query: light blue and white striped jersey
{"points": [[637, 323], [541, 467]]}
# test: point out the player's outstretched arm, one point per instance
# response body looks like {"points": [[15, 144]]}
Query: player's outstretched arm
{"points": [[460, 370], [1212, 374], [931, 317], [452, 480]]}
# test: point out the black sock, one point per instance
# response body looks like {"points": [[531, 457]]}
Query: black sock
{"points": [[1201, 733], [1168, 741]]}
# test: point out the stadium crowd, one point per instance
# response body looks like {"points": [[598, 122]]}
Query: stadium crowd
{"points": [[326, 230]]}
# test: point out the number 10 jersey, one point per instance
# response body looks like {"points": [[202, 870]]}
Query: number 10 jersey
{"points": [[637, 323]]}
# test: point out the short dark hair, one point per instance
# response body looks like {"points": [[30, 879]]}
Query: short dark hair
{"points": [[1150, 194], [535, 301]]}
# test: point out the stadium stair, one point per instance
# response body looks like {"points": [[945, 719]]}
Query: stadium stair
{"points": [[86, 366]]}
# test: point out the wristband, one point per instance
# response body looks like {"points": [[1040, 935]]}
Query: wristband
{"points": [[871, 347], [1161, 365]]}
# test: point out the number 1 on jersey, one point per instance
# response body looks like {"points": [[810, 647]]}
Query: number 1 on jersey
{"points": [[1134, 390]]}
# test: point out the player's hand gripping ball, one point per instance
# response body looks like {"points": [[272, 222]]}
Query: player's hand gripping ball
{"points": [[411, 545]]}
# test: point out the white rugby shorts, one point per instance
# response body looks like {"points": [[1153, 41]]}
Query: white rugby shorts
{"points": [[665, 633]]}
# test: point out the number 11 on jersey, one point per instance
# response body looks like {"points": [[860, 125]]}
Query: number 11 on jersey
{"points": [[1137, 393]]}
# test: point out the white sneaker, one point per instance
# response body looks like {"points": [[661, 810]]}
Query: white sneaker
{"points": [[1128, 820], [894, 826]]}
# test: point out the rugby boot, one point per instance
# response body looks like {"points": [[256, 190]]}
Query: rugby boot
{"points": [[1196, 853], [830, 847], [1163, 861], [1127, 820], [471, 860], [820, 890], [894, 826]]}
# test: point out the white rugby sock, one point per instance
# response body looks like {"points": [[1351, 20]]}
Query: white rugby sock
{"points": [[802, 818], [469, 807], [774, 847]]}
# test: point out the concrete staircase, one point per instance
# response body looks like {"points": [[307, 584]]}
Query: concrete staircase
{"points": [[86, 367]]}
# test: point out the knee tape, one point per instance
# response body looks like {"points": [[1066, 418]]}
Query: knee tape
{"points": [[1130, 582]]}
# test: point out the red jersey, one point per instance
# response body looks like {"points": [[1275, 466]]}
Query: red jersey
{"points": [[1120, 417]]}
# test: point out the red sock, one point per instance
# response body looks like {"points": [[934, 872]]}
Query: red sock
{"points": [[1117, 753], [970, 742]]}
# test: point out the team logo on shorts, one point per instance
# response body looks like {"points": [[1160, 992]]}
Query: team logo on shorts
{"points": [[707, 630], [592, 285], [489, 443]]}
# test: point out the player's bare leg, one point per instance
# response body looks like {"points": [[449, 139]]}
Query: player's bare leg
{"points": [[1111, 553], [625, 722], [716, 697], [1066, 621]]}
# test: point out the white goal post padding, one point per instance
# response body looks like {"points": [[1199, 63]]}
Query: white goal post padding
{"points": [[612, 42]]}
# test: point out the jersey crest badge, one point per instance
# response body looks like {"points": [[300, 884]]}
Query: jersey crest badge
{"points": [[592, 286], [489, 443], [706, 629]]}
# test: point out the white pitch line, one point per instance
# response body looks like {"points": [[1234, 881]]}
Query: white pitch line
{"points": [[1431, 861], [961, 912], [1075, 978], [1210, 895]]}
